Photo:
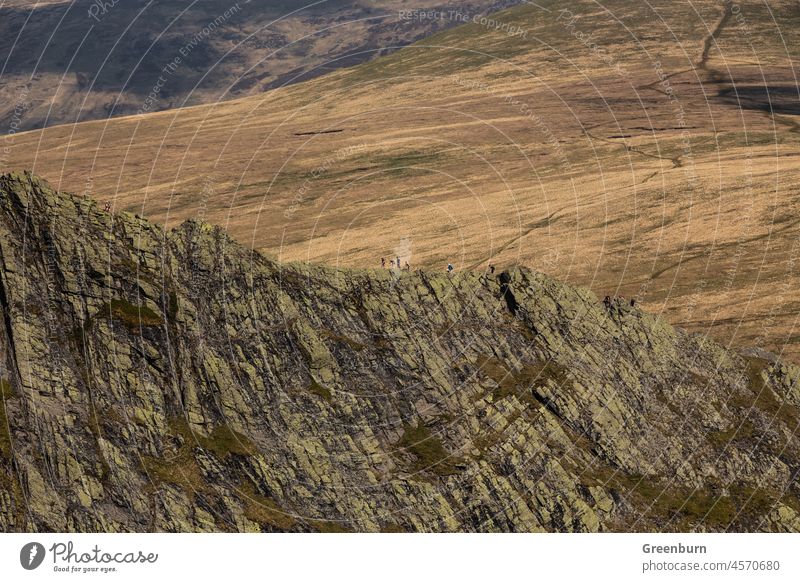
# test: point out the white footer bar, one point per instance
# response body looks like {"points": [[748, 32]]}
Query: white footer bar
{"points": [[402, 557]]}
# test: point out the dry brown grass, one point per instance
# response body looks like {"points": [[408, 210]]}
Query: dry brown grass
{"points": [[434, 158]]}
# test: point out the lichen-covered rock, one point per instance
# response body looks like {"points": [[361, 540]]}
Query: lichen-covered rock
{"points": [[177, 381]]}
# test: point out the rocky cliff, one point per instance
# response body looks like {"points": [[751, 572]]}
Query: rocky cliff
{"points": [[179, 381]]}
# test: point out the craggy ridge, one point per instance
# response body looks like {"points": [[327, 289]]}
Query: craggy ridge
{"points": [[179, 381]]}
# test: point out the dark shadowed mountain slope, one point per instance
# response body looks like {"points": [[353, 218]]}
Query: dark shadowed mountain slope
{"points": [[179, 381], [62, 62]]}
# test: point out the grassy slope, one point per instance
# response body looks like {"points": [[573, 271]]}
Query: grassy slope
{"points": [[475, 146], [70, 61]]}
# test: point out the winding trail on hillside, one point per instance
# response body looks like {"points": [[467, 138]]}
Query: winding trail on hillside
{"points": [[792, 125], [701, 64], [535, 226], [710, 38], [676, 161], [702, 61]]}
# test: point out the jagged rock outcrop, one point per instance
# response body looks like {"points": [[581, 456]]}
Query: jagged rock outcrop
{"points": [[182, 382]]}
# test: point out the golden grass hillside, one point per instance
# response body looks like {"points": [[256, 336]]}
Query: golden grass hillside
{"points": [[643, 149]]}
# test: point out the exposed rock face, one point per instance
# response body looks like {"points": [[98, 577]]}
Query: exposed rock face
{"points": [[181, 382]]}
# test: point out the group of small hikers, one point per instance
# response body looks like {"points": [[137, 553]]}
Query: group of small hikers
{"points": [[395, 264], [607, 301]]}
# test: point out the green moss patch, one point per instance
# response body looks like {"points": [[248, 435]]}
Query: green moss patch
{"points": [[686, 506], [521, 383], [131, 316], [429, 452], [10, 482], [704, 506], [224, 441], [182, 469], [340, 339], [5, 435], [664, 502], [6, 393], [6, 390], [327, 526], [393, 528], [720, 438], [265, 511], [763, 397], [743, 507], [319, 390]]}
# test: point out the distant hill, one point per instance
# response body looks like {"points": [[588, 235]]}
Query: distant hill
{"points": [[82, 60]]}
